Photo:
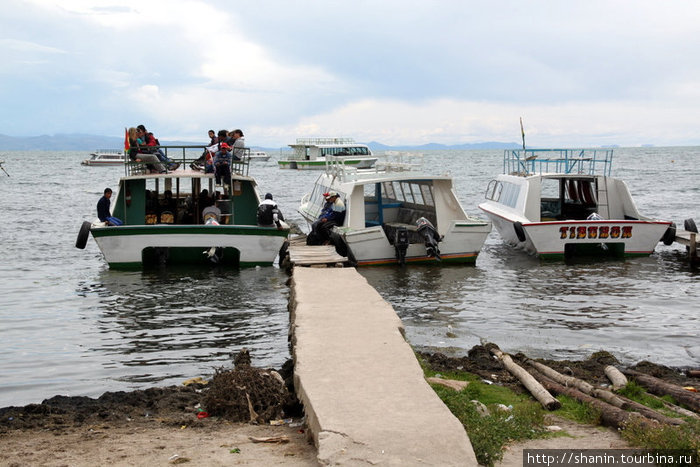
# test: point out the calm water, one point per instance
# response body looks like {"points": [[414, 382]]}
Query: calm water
{"points": [[71, 326]]}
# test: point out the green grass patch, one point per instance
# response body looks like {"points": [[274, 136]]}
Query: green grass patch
{"points": [[660, 437], [578, 411], [490, 433]]}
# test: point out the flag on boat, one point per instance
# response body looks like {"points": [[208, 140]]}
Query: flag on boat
{"points": [[126, 140]]}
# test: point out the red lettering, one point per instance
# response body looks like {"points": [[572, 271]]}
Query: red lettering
{"points": [[593, 232], [572, 232], [615, 232], [564, 231], [627, 231], [581, 232], [603, 231]]}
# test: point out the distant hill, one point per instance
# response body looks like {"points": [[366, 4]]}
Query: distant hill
{"points": [[83, 142]]}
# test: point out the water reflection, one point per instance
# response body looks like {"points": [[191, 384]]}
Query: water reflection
{"points": [[179, 318]]}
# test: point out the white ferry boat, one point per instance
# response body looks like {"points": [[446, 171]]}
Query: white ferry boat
{"points": [[162, 222], [105, 157], [257, 156], [312, 154], [397, 214], [558, 203]]}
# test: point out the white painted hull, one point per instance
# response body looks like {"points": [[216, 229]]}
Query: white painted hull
{"points": [[320, 163], [128, 249], [639, 237], [461, 244]]}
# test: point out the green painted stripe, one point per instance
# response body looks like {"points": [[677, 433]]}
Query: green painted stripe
{"points": [[128, 230]]}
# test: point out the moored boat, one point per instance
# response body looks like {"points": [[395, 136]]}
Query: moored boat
{"points": [[163, 219], [105, 157], [312, 154], [396, 213], [558, 203], [257, 156]]}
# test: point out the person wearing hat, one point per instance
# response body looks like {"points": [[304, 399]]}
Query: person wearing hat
{"points": [[222, 164], [269, 214], [332, 214]]}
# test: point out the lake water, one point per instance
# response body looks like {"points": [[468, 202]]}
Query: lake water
{"points": [[69, 325]]}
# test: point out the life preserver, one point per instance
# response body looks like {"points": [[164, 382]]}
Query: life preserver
{"points": [[519, 231], [670, 234], [83, 234], [689, 225]]}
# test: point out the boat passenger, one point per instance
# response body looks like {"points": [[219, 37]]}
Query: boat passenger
{"points": [[269, 214], [211, 214], [222, 164], [332, 214], [135, 154], [150, 142], [103, 206], [200, 162], [238, 145]]}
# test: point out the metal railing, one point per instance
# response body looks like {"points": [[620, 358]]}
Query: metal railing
{"points": [[184, 156], [562, 161]]}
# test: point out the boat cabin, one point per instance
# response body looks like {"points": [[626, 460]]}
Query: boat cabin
{"points": [[318, 148]]}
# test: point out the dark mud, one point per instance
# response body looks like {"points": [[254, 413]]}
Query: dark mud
{"points": [[249, 394]]}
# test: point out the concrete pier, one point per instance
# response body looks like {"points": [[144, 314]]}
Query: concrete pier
{"points": [[364, 394]]}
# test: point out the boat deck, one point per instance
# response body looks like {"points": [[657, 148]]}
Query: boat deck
{"points": [[301, 254]]}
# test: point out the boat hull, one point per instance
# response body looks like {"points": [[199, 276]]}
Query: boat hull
{"points": [[460, 244], [134, 246], [557, 239], [320, 164]]}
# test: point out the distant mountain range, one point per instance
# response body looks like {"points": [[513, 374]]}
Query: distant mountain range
{"points": [[82, 142]]}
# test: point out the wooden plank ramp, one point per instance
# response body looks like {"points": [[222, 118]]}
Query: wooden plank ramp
{"points": [[689, 239], [301, 254]]}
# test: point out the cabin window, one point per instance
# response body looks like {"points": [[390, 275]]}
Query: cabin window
{"points": [[407, 194], [493, 190], [389, 190], [509, 194], [427, 195]]}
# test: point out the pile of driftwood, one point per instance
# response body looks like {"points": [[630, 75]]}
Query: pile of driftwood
{"points": [[615, 409]]}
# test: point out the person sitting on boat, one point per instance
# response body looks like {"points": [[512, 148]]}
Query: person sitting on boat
{"points": [[152, 162], [103, 213], [332, 214], [199, 164], [222, 164], [269, 214], [238, 145], [151, 144]]}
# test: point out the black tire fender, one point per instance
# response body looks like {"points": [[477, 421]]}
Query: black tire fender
{"points": [[670, 234], [83, 235], [689, 225], [519, 231]]}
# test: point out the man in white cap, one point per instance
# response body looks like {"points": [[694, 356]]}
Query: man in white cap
{"points": [[332, 214]]}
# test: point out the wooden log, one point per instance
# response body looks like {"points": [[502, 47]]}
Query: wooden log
{"points": [[449, 383], [675, 408], [535, 388], [662, 388], [554, 375], [616, 377], [603, 394], [609, 414]]}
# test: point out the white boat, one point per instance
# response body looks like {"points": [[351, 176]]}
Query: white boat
{"points": [[158, 230], [558, 203], [105, 157], [312, 153], [257, 156], [389, 209]]}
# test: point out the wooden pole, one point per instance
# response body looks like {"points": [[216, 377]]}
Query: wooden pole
{"points": [[661, 388], [616, 377], [535, 388]]}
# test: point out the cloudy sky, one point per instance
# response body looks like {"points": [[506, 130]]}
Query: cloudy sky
{"points": [[579, 73]]}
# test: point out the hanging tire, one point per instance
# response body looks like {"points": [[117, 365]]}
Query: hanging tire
{"points": [[670, 234], [689, 225], [519, 231], [83, 235]]}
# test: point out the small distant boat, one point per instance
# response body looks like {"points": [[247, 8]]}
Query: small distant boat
{"points": [[558, 203], [105, 157], [257, 156], [312, 154]]}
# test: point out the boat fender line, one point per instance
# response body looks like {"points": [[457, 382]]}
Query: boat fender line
{"points": [[83, 235], [670, 234], [689, 225], [519, 231]]}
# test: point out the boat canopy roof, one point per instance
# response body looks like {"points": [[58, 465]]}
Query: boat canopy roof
{"points": [[527, 162], [393, 166]]}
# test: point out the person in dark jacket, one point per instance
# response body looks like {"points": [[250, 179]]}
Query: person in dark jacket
{"points": [[103, 213]]}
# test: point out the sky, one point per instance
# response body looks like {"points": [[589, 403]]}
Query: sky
{"points": [[579, 73]]}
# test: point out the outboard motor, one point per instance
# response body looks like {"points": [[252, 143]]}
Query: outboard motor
{"points": [[401, 244], [431, 236]]}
